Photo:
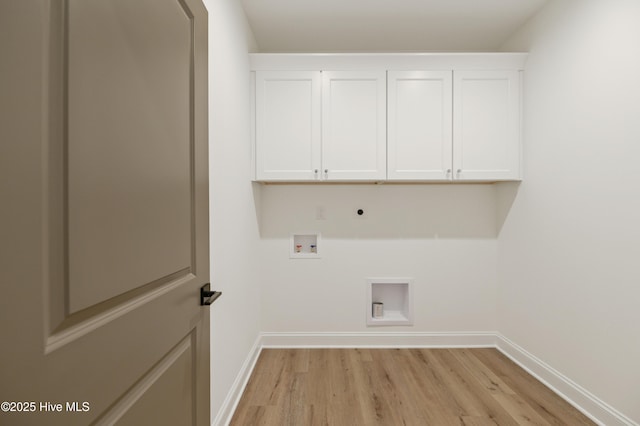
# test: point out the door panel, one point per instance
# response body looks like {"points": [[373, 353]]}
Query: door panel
{"points": [[354, 125], [486, 136], [148, 402], [129, 144], [106, 241], [419, 120], [287, 125]]}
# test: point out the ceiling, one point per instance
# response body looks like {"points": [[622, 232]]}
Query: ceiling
{"points": [[386, 25]]}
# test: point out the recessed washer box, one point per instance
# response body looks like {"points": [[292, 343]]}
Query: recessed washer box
{"points": [[305, 245], [396, 295]]}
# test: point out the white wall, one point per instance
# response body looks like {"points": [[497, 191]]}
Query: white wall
{"points": [[568, 252], [444, 236], [234, 226]]}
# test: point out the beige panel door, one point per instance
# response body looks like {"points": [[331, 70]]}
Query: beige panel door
{"points": [[104, 195]]}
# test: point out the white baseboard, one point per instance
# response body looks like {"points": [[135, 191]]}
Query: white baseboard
{"points": [[584, 401], [225, 413], [594, 408], [379, 340]]}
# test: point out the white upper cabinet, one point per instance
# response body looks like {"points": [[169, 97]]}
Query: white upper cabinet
{"points": [[436, 117], [462, 129], [486, 125], [287, 125], [313, 125], [419, 119], [354, 125]]}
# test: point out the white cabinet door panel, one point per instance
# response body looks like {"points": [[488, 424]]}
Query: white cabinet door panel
{"points": [[420, 121], [287, 125], [486, 134], [354, 125]]}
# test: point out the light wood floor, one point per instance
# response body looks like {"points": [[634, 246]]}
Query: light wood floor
{"points": [[389, 387]]}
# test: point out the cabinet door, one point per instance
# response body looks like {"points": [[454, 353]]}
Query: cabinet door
{"points": [[486, 136], [354, 125], [419, 119], [288, 112]]}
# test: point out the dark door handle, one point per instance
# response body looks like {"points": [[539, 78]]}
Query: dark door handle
{"points": [[207, 296]]}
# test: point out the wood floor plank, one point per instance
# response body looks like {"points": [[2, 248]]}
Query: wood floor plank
{"points": [[468, 391], [381, 390], [318, 386], [291, 408], [426, 369], [402, 390], [364, 354], [421, 405], [298, 360], [505, 396], [481, 372], [263, 383], [477, 421], [368, 403], [438, 401], [252, 415], [353, 387], [342, 383], [522, 412], [547, 404]]}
